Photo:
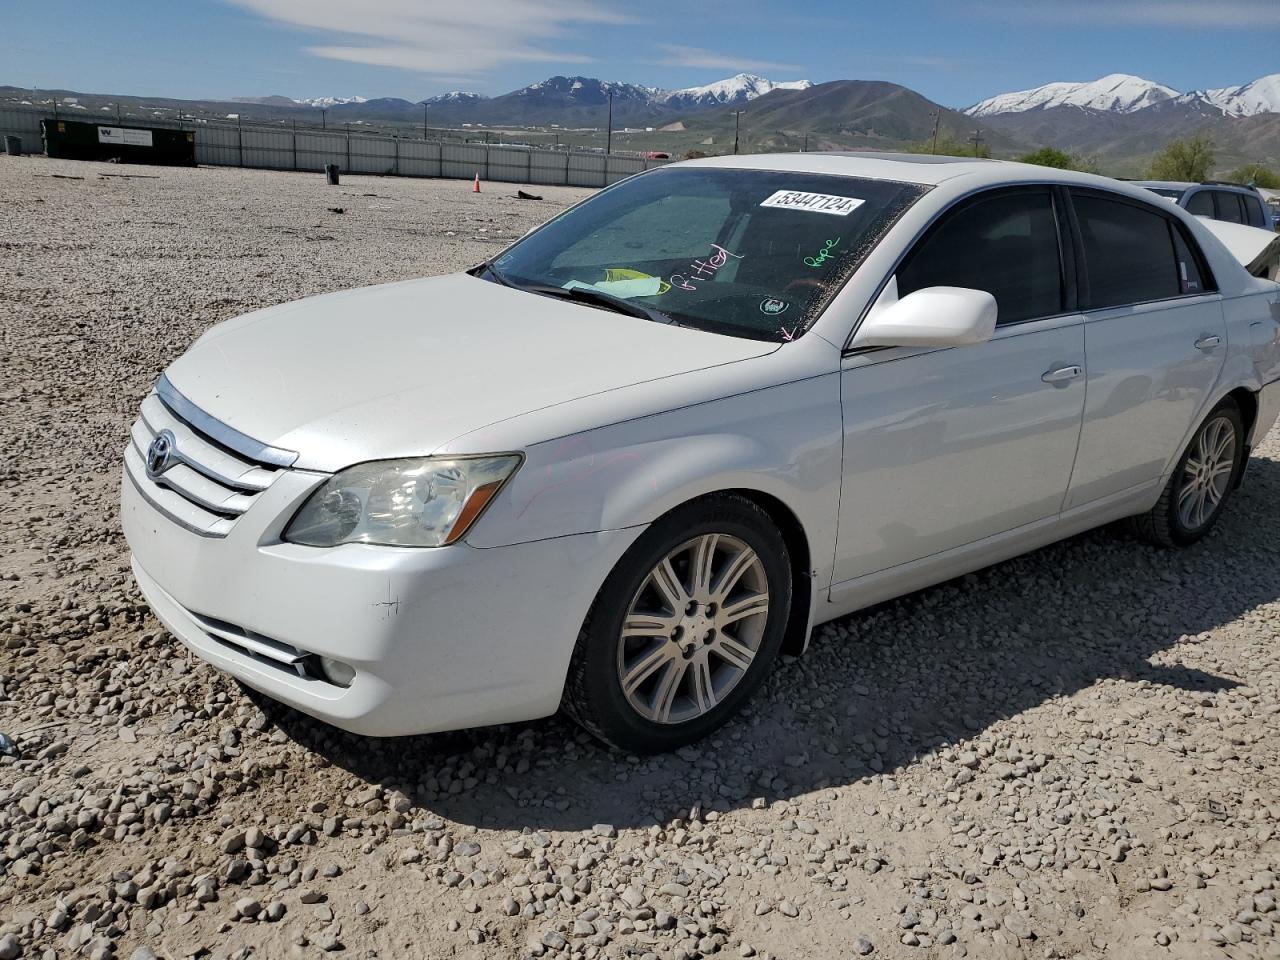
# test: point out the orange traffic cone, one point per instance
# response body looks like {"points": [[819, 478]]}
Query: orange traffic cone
{"points": [[476, 188]]}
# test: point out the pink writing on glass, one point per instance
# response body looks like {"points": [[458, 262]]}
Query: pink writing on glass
{"points": [[704, 269]]}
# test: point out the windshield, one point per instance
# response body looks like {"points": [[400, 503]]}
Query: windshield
{"points": [[1172, 193], [749, 253]]}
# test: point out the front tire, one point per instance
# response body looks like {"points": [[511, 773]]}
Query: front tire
{"points": [[1201, 482], [684, 629]]}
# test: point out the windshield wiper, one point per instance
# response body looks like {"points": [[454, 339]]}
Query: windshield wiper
{"points": [[598, 298], [494, 272], [586, 295]]}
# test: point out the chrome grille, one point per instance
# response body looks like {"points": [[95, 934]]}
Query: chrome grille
{"points": [[255, 645], [215, 473]]}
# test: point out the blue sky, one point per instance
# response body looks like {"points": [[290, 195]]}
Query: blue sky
{"points": [[955, 53]]}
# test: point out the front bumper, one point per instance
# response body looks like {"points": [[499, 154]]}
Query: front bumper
{"points": [[440, 638]]}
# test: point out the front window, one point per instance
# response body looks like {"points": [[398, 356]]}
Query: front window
{"points": [[748, 253], [1005, 244]]}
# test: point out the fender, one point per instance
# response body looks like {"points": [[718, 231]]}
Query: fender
{"points": [[1227, 382], [783, 441]]}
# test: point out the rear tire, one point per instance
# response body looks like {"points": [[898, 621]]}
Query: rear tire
{"points": [[684, 629], [1201, 482]]}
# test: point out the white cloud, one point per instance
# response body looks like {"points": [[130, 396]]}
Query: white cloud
{"points": [[437, 36], [1187, 14], [679, 56]]}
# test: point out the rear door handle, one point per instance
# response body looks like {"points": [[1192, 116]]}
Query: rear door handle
{"points": [[1208, 343], [1062, 374]]}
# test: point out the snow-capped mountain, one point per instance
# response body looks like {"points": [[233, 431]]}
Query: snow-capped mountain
{"points": [[1114, 93], [456, 96], [743, 87], [585, 90], [1260, 96], [1121, 93], [329, 101]]}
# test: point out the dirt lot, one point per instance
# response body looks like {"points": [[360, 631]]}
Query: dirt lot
{"points": [[1070, 755]]}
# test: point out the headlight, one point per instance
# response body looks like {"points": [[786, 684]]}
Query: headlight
{"points": [[401, 503]]}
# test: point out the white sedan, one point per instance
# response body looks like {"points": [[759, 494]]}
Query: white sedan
{"points": [[622, 465]]}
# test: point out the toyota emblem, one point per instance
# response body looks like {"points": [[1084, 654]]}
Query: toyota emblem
{"points": [[160, 453]]}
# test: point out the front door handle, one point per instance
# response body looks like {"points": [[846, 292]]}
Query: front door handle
{"points": [[1208, 343], [1062, 374]]}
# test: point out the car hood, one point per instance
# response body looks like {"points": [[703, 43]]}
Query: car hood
{"points": [[401, 369]]}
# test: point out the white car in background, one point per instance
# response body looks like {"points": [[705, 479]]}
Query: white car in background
{"points": [[626, 462]]}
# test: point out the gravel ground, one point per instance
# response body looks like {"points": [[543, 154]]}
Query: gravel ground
{"points": [[1073, 754]]}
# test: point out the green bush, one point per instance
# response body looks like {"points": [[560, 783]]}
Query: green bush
{"points": [[1256, 174], [949, 146], [1060, 159], [1049, 157], [1190, 159]]}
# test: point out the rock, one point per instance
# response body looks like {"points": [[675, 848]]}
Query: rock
{"points": [[248, 907], [328, 941], [863, 946], [10, 948], [232, 841], [1017, 924], [554, 939]]}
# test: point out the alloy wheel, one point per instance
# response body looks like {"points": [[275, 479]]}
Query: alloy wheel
{"points": [[1206, 474], [693, 629]]}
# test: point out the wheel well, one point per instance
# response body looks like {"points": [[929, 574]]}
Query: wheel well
{"points": [[1247, 403], [801, 572]]}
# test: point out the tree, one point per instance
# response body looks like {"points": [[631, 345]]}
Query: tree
{"points": [[1184, 160], [1049, 157], [1256, 174]]}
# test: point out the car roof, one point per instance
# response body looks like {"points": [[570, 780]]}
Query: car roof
{"points": [[924, 169], [1205, 184]]}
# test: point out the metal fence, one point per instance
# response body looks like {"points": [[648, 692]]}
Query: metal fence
{"points": [[270, 147]]}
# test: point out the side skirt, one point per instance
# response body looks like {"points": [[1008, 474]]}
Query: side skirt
{"points": [[861, 592]]}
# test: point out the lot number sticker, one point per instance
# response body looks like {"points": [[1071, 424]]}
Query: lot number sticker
{"points": [[814, 202]]}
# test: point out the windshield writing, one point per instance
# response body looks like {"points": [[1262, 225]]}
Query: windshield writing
{"points": [[747, 253]]}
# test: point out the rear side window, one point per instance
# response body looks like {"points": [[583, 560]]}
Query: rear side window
{"points": [[1228, 206], [1253, 212], [1201, 204], [1191, 279], [1128, 252], [1006, 244]]}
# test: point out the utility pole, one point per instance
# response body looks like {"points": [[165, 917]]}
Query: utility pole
{"points": [[805, 148], [118, 112], [424, 121], [737, 114], [937, 117], [323, 124], [976, 140], [608, 143]]}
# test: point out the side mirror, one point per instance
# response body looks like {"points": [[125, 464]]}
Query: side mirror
{"points": [[932, 317]]}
